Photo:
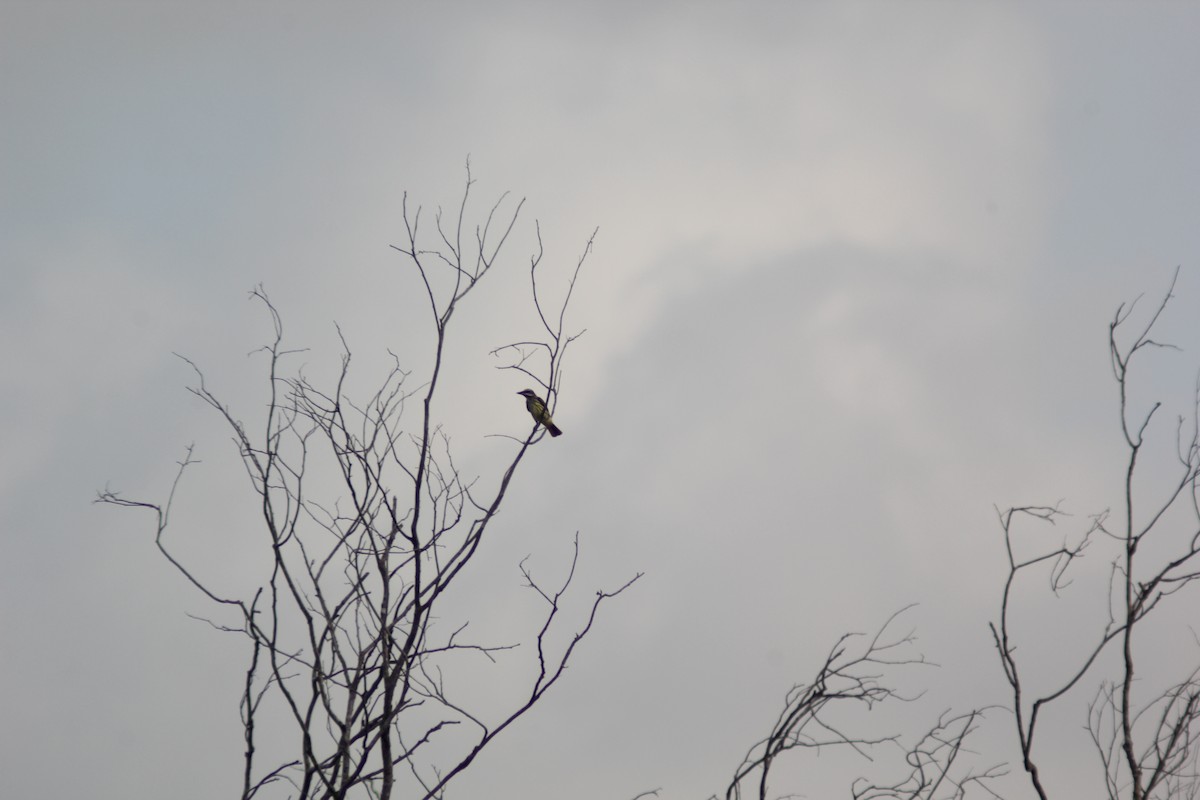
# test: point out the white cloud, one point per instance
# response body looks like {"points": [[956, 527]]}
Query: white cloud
{"points": [[854, 266]]}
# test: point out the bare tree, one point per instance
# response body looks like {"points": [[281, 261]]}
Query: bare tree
{"points": [[856, 673], [341, 629], [1146, 736]]}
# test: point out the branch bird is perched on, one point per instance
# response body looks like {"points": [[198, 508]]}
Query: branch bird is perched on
{"points": [[537, 410]]}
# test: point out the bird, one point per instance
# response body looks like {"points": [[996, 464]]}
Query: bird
{"points": [[539, 412]]}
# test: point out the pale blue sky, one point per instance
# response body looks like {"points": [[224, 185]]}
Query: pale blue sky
{"points": [[855, 264]]}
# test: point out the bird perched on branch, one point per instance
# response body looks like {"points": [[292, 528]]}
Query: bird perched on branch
{"points": [[537, 409]]}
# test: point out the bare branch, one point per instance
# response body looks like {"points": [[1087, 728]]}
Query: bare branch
{"points": [[367, 521], [851, 675], [1143, 746]]}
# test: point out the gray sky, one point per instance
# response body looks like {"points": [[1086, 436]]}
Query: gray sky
{"points": [[851, 288]]}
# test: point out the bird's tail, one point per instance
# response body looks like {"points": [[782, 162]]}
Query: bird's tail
{"points": [[554, 431]]}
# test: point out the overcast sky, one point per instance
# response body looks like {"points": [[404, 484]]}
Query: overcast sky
{"points": [[850, 291]]}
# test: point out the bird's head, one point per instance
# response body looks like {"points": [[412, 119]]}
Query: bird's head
{"points": [[527, 393]]}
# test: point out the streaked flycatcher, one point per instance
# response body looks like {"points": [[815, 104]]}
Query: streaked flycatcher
{"points": [[537, 409]]}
